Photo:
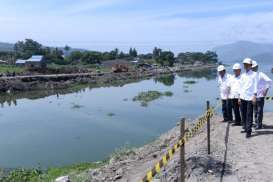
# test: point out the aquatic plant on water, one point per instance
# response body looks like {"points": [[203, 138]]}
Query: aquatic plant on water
{"points": [[146, 97]]}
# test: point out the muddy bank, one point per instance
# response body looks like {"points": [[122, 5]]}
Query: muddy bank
{"points": [[62, 81]]}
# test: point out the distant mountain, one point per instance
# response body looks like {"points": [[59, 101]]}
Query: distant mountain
{"points": [[6, 46], [239, 50]]}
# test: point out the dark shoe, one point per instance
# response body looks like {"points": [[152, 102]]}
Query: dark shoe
{"points": [[248, 135], [243, 131], [237, 124], [258, 127]]}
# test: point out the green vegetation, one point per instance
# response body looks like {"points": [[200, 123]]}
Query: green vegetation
{"points": [[145, 97], [164, 58], [49, 175], [190, 82], [168, 94], [63, 56], [192, 57], [76, 106], [111, 114], [11, 69]]}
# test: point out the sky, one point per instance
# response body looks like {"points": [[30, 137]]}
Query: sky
{"points": [[177, 25]]}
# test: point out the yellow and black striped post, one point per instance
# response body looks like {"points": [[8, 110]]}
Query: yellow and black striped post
{"points": [[182, 152], [208, 127], [185, 136]]}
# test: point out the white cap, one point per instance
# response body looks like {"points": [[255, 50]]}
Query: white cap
{"points": [[221, 68], [236, 66], [247, 61], [254, 64]]}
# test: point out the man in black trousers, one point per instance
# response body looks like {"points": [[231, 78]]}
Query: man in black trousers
{"points": [[248, 94], [235, 86], [223, 80], [264, 83]]}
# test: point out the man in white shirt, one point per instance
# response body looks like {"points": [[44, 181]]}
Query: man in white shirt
{"points": [[264, 83], [223, 79], [235, 85], [248, 95]]}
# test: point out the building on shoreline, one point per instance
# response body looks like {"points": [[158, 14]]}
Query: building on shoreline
{"points": [[36, 61]]}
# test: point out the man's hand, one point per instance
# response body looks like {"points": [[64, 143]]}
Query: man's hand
{"points": [[239, 101], [254, 100], [265, 93]]}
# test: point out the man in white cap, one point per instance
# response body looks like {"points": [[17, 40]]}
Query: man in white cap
{"points": [[235, 86], [248, 95], [223, 80], [264, 83]]}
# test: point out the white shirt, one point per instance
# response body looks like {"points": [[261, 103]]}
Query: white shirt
{"points": [[264, 82], [223, 86], [235, 86], [249, 84]]}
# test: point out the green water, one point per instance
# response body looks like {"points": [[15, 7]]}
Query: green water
{"points": [[49, 129]]}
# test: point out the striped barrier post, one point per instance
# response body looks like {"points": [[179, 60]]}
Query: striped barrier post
{"points": [[182, 151], [175, 148], [208, 127]]}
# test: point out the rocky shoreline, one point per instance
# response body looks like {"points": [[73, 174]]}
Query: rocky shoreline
{"points": [[62, 81]]}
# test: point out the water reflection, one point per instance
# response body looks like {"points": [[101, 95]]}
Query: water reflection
{"points": [[10, 99], [209, 74], [167, 80]]}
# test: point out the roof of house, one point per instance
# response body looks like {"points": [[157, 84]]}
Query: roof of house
{"points": [[35, 58], [20, 61]]}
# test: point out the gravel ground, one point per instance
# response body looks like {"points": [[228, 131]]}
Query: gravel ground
{"points": [[233, 158]]}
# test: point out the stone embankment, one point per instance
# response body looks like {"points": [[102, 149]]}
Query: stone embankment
{"points": [[61, 81]]}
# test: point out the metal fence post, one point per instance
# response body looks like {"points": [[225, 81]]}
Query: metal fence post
{"points": [[182, 151], [208, 127]]}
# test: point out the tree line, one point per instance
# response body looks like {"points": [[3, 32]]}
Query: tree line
{"points": [[62, 56]]}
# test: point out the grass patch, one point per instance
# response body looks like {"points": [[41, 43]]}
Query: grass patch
{"points": [[49, 175], [11, 69], [146, 97], [168, 94], [111, 114], [76, 106], [190, 82]]}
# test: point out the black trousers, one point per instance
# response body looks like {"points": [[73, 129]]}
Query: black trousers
{"points": [[247, 115], [227, 109], [236, 111], [259, 112]]}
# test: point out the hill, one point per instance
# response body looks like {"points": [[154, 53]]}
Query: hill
{"points": [[237, 51], [6, 46]]}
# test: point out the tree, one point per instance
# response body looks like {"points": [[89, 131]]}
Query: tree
{"points": [[91, 57], [75, 56], [25, 49], [166, 58], [156, 53], [67, 48], [133, 52]]}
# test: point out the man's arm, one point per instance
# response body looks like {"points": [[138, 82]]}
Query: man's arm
{"points": [[268, 82]]}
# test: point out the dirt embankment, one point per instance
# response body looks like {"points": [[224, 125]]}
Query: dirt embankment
{"points": [[61, 81], [233, 157]]}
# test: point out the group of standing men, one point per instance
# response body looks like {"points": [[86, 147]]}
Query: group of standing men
{"points": [[243, 94]]}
